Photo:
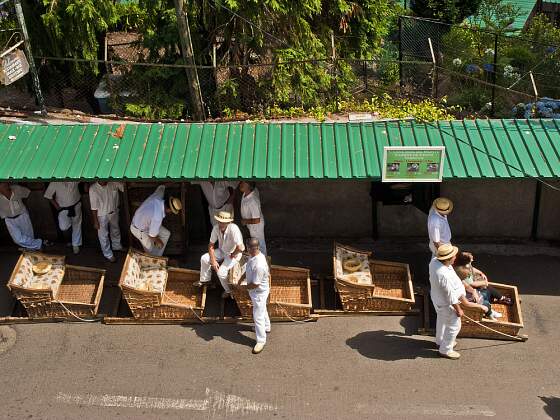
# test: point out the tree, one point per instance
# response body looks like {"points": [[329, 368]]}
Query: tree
{"points": [[450, 11]]}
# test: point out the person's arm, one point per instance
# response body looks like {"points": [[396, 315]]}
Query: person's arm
{"points": [[434, 232], [254, 213], [213, 262], [231, 197], [464, 302], [261, 272], [50, 195], [238, 249], [480, 283], [95, 219], [153, 231], [471, 290]]}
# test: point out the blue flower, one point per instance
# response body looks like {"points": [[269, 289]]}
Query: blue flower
{"points": [[551, 49], [488, 67], [472, 68]]}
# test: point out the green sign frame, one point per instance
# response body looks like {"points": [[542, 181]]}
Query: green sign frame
{"points": [[413, 163]]}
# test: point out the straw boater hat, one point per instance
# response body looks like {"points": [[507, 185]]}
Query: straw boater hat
{"points": [[446, 251], [443, 205], [42, 267], [224, 217], [175, 205]]}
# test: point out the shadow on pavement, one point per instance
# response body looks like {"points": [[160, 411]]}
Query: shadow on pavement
{"points": [[391, 346], [552, 407], [229, 332]]}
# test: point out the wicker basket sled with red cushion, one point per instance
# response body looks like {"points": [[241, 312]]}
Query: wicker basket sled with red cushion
{"points": [[510, 323]]}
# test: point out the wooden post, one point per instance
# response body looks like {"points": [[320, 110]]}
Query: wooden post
{"points": [[191, 71], [434, 69], [184, 218]]}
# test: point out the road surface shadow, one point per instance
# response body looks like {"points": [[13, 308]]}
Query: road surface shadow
{"points": [[229, 332], [391, 346], [552, 407]]}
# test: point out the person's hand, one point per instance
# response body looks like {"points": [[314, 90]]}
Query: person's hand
{"points": [[484, 308], [459, 312], [96, 224], [56, 205], [215, 266], [158, 243]]}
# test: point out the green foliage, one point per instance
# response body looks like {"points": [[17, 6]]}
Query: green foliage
{"points": [[151, 111], [451, 11], [383, 106]]}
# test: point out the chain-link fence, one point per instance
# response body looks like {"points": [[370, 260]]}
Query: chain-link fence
{"points": [[486, 73]]}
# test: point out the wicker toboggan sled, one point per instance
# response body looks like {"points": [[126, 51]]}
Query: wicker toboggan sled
{"points": [[154, 291], [290, 292], [364, 284], [48, 288], [510, 323]]}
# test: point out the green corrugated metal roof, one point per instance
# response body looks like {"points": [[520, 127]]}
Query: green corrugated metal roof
{"points": [[524, 7], [474, 149]]}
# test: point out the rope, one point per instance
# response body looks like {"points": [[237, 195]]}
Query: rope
{"points": [[74, 315], [493, 330], [299, 321], [182, 304]]}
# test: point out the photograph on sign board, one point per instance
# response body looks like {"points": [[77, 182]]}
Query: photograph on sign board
{"points": [[413, 163]]}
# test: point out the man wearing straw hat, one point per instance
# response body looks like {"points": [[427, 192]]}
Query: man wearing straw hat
{"points": [[257, 275], [228, 253], [15, 215], [448, 294], [146, 224], [438, 226]]}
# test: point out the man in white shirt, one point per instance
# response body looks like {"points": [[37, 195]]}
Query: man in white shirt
{"points": [[257, 275], [251, 213], [15, 215], [104, 200], [220, 196], [228, 253], [438, 226], [448, 294], [146, 224], [66, 198]]}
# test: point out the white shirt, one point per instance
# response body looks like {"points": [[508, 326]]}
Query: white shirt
{"points": [[66, 194], [251, 206], [218, 194], [438, 228], [149, 216], [105, 199], [229, 240], [257, 272], [446, 286], [13, 206]]}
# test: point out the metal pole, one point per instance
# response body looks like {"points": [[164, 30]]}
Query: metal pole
{"points": [[32, 68], [534, 86], [494, 75], [400, 53]]}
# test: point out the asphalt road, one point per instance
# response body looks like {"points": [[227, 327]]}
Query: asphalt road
{"points": [[336, 368]]}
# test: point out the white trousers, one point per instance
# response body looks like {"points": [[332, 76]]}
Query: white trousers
{"points": [[260, 314], [21, 231], [212, 211], [65, 223], [448, 325], [147, 242], [257, 231], [226, 264], [109, 226]]}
